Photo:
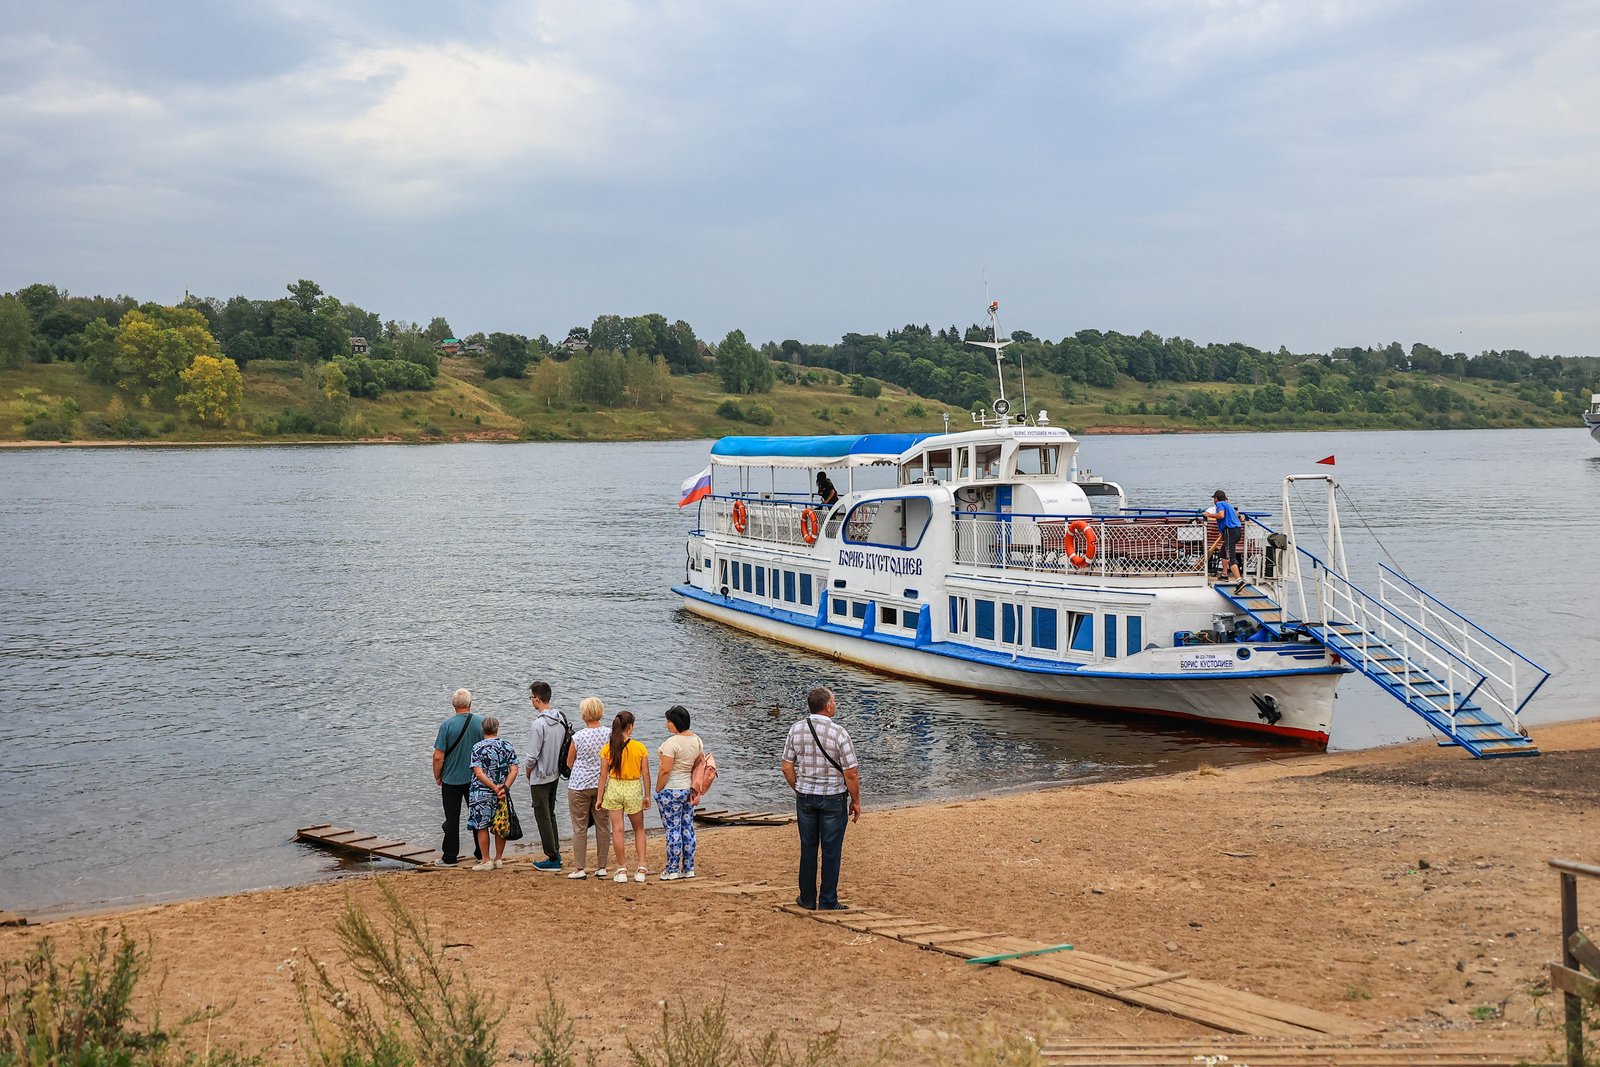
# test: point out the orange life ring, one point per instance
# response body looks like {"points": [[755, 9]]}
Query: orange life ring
{"points": [[810, 526], [741, 517], [1081, 526]]}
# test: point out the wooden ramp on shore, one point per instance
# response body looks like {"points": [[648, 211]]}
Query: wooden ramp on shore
{"points": [[1229, 1010], [724, 817], [1384, 1050], [365, 845]]}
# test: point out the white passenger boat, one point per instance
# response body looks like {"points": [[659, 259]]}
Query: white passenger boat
{"points": [[1591, 418], [985, 567]]}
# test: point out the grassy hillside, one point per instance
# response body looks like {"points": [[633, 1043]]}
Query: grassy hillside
{"points": [[57, 402]]}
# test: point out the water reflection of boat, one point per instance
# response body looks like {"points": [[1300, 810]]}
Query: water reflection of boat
{"points": [[1591, 418], [985, 567]]}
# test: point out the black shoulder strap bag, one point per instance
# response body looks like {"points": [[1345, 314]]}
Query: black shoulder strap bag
{"points": [[465, 727], [822, 748]]}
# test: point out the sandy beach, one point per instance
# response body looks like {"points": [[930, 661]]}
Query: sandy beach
{"points": [[1406, 887]]}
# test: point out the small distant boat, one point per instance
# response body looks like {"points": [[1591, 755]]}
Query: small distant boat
{"points": [[1591, 418], [986, 567]]}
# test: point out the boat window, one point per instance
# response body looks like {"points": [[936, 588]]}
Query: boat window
{"points": [[835, 516], [841, 607], [1081, 626], [911, 473], [964, 463], [858, 608], [888, 616], [1008, 624], [774, 585], [960, 621], [737, 584], [1111, 637], [788, 586], [909, 618], [1038, 459], [988, 458], [1135, 634], [722, 572], [761, 581], [983, 625], [1042, 629], [940, 467], [895, 522], [746, 568], [805, 589]]}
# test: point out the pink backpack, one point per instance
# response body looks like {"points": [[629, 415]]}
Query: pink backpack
{"points": [[702, 775]]}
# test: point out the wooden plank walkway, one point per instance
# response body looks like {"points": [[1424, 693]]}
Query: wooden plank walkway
{"points": [[1230, 1010], [1388, 1050], [724, 817], [368, 846]]}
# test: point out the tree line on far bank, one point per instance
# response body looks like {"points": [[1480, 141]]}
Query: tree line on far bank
{"points": [[187, 358]]}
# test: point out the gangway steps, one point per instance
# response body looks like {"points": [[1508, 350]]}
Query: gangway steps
{"points": [[1474, 729]]}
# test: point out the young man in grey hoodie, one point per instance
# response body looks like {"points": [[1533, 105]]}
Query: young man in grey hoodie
{"points": [[542, 765]]}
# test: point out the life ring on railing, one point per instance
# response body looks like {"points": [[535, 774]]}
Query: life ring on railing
{"points": [[741, 517], [1084, 558], [810, 526]]}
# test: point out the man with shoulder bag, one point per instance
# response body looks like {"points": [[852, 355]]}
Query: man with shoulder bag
{"points": [[452, 771], [547, 743], [819, 763]]}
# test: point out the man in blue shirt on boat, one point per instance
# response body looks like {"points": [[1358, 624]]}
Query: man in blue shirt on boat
{"points": [[1230, 529]]}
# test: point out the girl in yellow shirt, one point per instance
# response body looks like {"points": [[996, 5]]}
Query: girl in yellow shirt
{"points": [[622, 790]]}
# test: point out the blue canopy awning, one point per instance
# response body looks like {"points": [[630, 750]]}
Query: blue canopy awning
{"points": [[839, 450]]}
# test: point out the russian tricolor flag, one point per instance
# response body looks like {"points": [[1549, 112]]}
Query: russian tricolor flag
{"points": [[695, 487]]}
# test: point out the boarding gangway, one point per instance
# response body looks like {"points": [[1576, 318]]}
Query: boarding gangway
{"points": [[1467, 684]]}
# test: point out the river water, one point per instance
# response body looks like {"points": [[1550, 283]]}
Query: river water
{"points": [[201, 649]]}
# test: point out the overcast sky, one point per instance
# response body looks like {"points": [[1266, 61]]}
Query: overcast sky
{"points": [[1303, 173]]}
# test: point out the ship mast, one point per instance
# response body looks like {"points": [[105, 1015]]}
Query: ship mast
{"points": [[1001, 406]]}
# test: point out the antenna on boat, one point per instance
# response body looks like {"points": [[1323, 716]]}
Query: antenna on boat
{"points": [[1001, 406]]}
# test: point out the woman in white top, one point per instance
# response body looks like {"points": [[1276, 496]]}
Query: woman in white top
{"points": [[676, 758], [583, 801]]}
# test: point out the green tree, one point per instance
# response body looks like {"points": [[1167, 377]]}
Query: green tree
{"points": [[741, 368], [153, 344], [507, 356], [438, 330], [213, 391], [305, 293], [16, 332]]}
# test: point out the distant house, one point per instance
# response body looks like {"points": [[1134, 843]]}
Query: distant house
{"points": [[358, 346], [448, 347], [575, 343], [475, 350]]}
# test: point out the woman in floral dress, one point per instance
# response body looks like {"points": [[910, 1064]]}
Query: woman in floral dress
{"points": [[494, 768]]}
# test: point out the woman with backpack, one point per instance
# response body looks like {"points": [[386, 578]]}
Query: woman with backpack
{"points": [[676, 757], [624, 766]]}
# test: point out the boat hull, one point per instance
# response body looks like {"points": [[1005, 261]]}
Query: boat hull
{"points": [[1302, 697]]}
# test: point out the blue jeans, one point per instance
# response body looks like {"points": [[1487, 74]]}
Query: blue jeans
{"points": [[822, 821]]}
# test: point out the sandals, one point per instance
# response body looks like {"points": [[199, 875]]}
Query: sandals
{"points": [[638, 875]]}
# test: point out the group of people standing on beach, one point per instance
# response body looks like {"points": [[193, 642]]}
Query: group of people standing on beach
{"points": [[609, 788]]}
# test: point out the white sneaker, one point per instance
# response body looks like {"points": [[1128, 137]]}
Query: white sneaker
{"points": [[498, 864], [575, 875], [486, 865], [671, 876], [622, 874], [689, 873], [601, 873]]}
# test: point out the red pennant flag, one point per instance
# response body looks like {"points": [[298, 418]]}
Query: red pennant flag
{"points": [[1328, 461]]}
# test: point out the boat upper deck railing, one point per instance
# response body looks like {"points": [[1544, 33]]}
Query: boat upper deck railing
{"points": [[1134, 543], [773, 520], [1146, 543]]}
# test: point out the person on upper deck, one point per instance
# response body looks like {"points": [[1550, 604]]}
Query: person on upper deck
{"points": [[1230, 530], [825, 490]]}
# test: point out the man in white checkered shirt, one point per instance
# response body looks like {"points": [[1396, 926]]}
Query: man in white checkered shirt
{"points": [[819, 763]]}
